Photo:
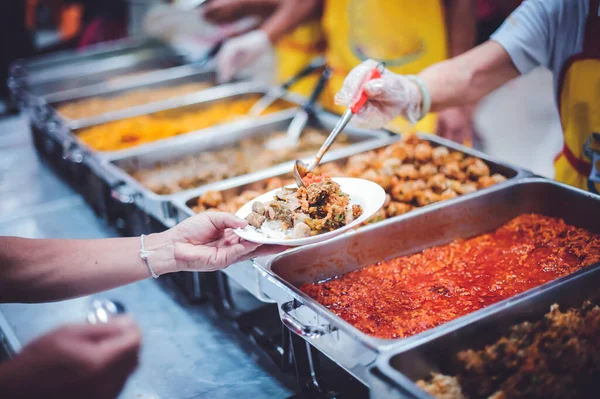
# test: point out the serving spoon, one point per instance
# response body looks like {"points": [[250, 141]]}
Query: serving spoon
{"points": [[301, 169]]}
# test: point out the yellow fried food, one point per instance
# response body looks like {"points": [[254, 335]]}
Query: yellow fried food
{"points": [[131, 132], [100, 105]]}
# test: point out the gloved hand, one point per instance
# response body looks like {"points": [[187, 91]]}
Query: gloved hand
{"points": [[241, 52], [389, 96]]}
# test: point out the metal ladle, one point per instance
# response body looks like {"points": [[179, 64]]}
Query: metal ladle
{"points": [[101, 311], [301, 169]]}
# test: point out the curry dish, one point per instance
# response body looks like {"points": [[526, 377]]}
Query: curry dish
{"points": [[411, 294], [131, 132], [302, 212], [247, 156], [100, 105], [412, 172], [557, 356]]}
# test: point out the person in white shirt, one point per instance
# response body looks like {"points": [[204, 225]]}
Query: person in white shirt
{"points": [[563, 35]]}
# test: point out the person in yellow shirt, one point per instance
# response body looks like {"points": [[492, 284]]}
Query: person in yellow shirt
{"points": [[408, 35], [562, 36]]}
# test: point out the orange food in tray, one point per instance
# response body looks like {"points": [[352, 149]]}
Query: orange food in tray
{"points": [[411, 294]]}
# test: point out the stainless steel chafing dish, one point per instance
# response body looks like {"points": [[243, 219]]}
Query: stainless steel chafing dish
{"points": [[253, 279], [225, 135], [109, 72], [99, 52], [163, 78], [398, 369], [42, 108], [433, 225], [31, 79]]}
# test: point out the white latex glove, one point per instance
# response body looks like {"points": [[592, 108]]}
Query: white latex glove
{"points": [[389, 96], [241, 52]]}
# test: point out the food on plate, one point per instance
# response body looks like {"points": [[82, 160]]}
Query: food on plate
{"points": [[302, 212], [249, 155], [99, 105], [412, 172], [131, 132], [557, 356], [410, 294]]}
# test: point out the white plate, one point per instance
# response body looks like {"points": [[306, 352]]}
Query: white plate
{"points": [[370, 196]]}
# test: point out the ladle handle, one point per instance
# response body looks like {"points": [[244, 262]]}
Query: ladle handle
{"points": [[332, 136], [362, 97]]}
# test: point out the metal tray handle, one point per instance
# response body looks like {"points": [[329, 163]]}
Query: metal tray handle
{"points": [[298, 327]]}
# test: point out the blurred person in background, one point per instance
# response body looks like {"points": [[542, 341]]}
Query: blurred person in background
{"points": [[408, 35], [17, 40], [491, 14], [79, 23], [563, 36], [103, 20], [94, 361]]}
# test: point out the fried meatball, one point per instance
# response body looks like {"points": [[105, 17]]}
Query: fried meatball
{"points": [[212, 199], [448, 194], [453, 171], [423, 152], [427, 170], [398, 208], [477, 169], [408, 172], [427, 197], [437, 183], [439, 154]]}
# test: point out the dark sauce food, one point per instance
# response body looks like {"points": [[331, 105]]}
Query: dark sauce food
{"points": [[411, 294], [557, 356]]}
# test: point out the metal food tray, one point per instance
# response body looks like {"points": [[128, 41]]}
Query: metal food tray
{"points": [[175, 76], [397, 370], [42, 108], [100, 73], [201, 99], [95, 53], [85, 170], [434, 225], [227, 135], [252, 279]]}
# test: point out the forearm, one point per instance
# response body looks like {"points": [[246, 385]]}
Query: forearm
{"points": [[461, 20], [289, 15], [48, 270], [465, 79]]}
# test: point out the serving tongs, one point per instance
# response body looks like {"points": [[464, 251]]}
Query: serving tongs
{"points": [[277, 92], [209, 55], [301, 118], [301, 169]]}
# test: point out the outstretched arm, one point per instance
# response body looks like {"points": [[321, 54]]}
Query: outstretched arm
{"points": [[459, 81], [466, 79], [47, 270]]}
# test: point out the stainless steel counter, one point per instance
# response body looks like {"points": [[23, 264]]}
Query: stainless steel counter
{"points": [[188, 352]]}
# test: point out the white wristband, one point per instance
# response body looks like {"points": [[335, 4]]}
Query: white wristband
{"points": [[144, 255], [425, 95]]}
